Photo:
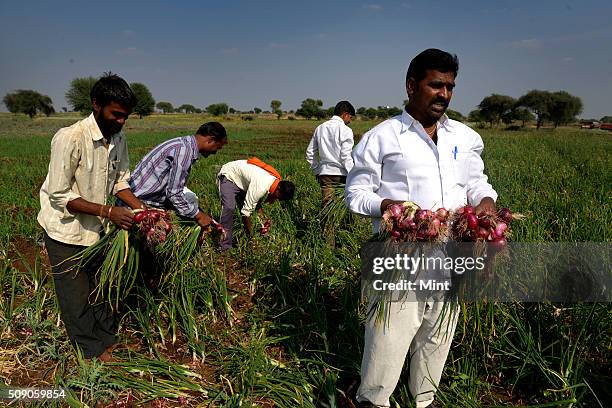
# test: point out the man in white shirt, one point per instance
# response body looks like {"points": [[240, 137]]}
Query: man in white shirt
{"points": [[332, 142], [89, 162], [425, 157], [245, 183]]}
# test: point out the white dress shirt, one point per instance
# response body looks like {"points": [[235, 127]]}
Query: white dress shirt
{"points": [[252, 179], [399, 161], [333, 142], [81, 166]]}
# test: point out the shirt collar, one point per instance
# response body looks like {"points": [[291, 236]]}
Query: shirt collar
{"points": [[95, 132], [336, 117], [407, 121], [194, 147], [94, 129]]}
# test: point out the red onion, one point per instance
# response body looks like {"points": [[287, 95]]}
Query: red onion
{"points": [[484, 221], [501, 229], [468, 209], [154, 215], [436, 222], [396, 210], [505, 214], [482, 233], [442, 214], [472, 221], [140, 216], [395, 233]]}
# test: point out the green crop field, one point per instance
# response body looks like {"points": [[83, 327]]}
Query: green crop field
{"points": [[278, 321]]}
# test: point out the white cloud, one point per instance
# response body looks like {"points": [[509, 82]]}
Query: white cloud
{"points": [[373, 7], [230, 51], [529, 44]]}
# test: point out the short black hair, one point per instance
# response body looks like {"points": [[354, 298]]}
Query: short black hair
{"points": [[433, 59], [112, 88], [286, 189], [213, 129], [344, 107]]}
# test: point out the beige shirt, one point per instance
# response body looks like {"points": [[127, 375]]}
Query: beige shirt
{"points": [[252, 179], [81, 166]]}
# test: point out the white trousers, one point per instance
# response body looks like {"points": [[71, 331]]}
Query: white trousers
{"points": [[426, 328]]}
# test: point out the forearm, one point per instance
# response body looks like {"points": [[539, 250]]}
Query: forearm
{"points": [[248, 225], [82, 206], [129, 198]]}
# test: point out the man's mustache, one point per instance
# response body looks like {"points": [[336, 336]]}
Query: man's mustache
{"points": [[441, 102]]}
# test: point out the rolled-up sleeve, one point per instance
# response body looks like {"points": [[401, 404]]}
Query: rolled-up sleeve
{"points": [[123, 173], [363, 181], [478, 186], [346, 148], [65, 157]]}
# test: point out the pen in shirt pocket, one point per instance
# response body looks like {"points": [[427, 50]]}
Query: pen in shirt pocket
{"points": [[455, 153]]}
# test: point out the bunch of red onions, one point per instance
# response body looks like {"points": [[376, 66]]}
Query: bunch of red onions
{"points": [[493, 227], [407, 222], [266, 227], [154, 225], [218, 228]]}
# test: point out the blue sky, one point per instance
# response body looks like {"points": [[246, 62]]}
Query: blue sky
{"points": [[248, 53]]}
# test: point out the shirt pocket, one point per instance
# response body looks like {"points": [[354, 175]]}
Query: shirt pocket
{"points": [[461, 167]]}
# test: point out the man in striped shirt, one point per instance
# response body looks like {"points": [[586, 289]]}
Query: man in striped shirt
{"points": [[159, 179]]}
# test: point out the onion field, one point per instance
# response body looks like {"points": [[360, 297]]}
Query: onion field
{"points": [[277, 322]]}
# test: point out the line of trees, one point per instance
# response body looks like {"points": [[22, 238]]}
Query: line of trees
{"points": [[558, 107]]}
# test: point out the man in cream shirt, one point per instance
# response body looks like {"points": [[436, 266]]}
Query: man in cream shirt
{"points": [[89, 162], [245, 183], [421, 156], [332, 142]]}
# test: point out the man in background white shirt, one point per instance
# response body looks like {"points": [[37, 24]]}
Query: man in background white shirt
{"points": [[425, 157], [332, 142]]}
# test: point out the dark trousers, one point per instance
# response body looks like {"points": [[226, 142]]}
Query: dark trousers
{"points": [[328, 185], [90, 324], [231, 196]]}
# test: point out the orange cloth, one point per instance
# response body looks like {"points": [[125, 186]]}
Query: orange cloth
{"points": [[259, 163]]}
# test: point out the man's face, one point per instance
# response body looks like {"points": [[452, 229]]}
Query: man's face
{"points": [[211, 146], [431, 95], [346, 118], [111, 117]]}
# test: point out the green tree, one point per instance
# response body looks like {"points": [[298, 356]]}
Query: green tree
{"points": [[539, 102], [186, 108], [257, 110], [165, 107], [524, 115], [309, 108], [275, 105], [454, 115], [606, 119], [361, 110], [495, 106], [28, 102], [564, 108], [370, 113], [145, 103], [78, 94], [232, 110], [475, 116], [217, 109]]}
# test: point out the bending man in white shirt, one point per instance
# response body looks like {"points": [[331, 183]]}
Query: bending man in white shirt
{"points": [[332, 142], [245, 183], [425, 157]]}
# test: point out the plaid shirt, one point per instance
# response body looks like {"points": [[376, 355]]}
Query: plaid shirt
{"points": [[159, 178]]}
